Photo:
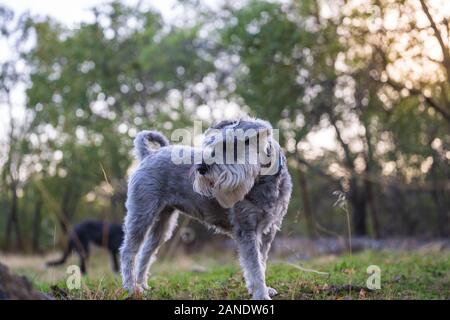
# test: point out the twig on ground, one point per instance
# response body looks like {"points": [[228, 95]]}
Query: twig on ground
{"points": [[304, 269]]}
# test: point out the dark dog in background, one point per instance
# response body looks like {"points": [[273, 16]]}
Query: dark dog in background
{"points": [[100, 233]]}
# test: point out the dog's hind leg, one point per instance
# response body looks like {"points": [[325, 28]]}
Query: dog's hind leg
{"points": [[115, 260], [82, 249], [83, 264], [140, 217], [160, 232]]}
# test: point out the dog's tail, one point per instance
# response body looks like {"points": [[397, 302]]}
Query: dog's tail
{"points": [[66, 254], [141, 142]]}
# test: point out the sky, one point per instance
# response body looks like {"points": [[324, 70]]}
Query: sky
{"points": [[74, 11]]}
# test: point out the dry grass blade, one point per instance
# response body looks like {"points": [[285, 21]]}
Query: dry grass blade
{"points": [[304, 269]]}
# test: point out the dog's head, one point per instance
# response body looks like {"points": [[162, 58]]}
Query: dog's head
{"points": [[235, 153]]}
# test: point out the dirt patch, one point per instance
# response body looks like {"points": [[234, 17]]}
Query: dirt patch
{"points": [[14, 287]]}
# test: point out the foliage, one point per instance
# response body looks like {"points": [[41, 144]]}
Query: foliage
{"points": [[309, 67]]}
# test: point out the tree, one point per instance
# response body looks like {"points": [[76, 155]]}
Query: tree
{"points": [[405, 58], [287, 74], [307, 70], [95, 86], [15, 145]]}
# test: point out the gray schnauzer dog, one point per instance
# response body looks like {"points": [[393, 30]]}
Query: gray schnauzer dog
{"points": [[237, 183]]}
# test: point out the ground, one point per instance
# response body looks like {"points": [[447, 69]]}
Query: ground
{"points": [[404, 275]]}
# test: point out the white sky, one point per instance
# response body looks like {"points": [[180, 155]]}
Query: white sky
{"points": [[74, 11]]}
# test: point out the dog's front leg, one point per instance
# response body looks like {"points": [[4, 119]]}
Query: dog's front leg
{"points": [[251, 262], [266, 242]]}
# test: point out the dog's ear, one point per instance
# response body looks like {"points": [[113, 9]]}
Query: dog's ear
{"points": [[271, 159], [224, 123]]}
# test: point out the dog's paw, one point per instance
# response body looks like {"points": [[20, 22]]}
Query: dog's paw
{"points": [[136, 290], [133, 292], [128, 288], [261, 295], [272, 292], [144, 286]]}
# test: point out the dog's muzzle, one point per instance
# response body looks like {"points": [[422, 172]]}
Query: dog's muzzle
{"points": [[202, 168]]}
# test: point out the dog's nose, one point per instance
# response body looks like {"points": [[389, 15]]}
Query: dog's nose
{"points": [[202, 168]]}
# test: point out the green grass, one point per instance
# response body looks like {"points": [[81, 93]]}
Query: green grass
{"points": [[406, 275]]}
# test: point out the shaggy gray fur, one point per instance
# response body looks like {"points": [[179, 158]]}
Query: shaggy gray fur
{"points": [[159, 187]]}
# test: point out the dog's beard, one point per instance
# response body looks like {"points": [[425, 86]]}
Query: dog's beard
{"points": [[228, 184]]}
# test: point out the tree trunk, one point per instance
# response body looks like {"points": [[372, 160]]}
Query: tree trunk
{"points": [[357, 200], [37, 225], [405, 223], [8, 231], [370, 193], [117, 204], [64, 217], [440, 198], [13, 222], [373, 209], [113, 207], [306, 203], [442, 215]]}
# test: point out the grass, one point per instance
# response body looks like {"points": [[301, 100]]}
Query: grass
{"points": [[404, 275]]}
